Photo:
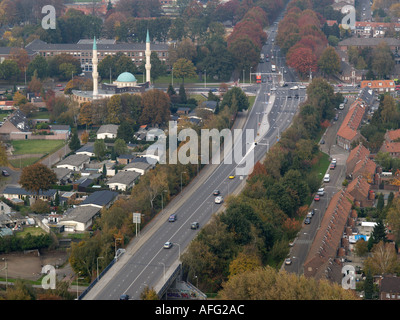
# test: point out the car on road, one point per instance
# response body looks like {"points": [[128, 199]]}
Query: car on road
{"points": [[167, 245], [334, 161], [216, 193], [294, 88], [172, 217], [285, 85], [327, 178], [296, 96], [316, 197], [288, 261], [5, 173], [194, 225], [332, 166], [302, 87], [322, 141], [219, 200], [307, 221], [321, 191], [232, 176], [124, 297], [273, 89]]}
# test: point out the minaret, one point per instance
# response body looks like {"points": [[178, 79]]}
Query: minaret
{"points": [[95, 74], [148, 54]]}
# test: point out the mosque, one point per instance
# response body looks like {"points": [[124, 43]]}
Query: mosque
{"points": [[125, 83]]}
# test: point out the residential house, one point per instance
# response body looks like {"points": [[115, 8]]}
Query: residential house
{"points": [[87, 149], [139, 166], [61, 129], [97, 167], [15, 124], [379, 86], [360, 189], [365, 168], [107, 131], [393, 148], [123, 180], [209, 105], [100, 199], [79, 218], [64, 175], [392, 135], [4, 208], [348, 131], [359, 153], [389, 287], [75, 162], [20, 193], [125, 158], [324, 257]]}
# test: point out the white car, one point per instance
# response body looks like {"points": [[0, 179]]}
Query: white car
{"points": [[334, 161], [219, 200], [167, 245], [327, 178], [321, 191], [302, 87], [288, 261], [294, 88]]}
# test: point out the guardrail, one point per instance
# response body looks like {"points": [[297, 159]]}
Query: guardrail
{"points": [[100, 275]]}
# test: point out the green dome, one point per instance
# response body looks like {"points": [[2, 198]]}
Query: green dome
{"points": [[126, 77]]}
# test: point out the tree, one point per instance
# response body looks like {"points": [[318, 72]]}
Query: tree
{"points": [[114, 109], [329, 62], [40, 65], [378, 235], [184, 68], [302, 59], [382, 62], [156, 105], [120, 147], [100, 148], [125, 132], [383, 259], [75, 143], [240, 97], [37, 177]]}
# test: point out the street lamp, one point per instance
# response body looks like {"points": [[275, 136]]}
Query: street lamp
{"points": [[172, 76], [205, 79], [115, 242], [164, 269], [162, 200]]}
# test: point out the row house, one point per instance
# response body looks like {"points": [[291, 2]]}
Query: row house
{"points": [[375, 29], [391, 144], [330, 245], [348, 131], [379, 86]]}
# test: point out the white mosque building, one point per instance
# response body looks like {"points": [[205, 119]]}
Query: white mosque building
{"points": [[125, 83]]}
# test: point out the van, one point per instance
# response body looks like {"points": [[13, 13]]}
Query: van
{"points": [[172, 217], [327, 178]]}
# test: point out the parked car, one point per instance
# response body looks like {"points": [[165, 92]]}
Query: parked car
{"points": [[316, 197], [307, 221], [327, 178], [5, 173], [321, 191], [288, 261], [332, 166]]}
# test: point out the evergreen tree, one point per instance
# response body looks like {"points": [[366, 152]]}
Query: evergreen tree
{"points": [[182, 94], [368, 286], [75, 143], [378, 234]]}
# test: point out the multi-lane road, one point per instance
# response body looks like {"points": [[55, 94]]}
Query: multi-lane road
{"points": [[145, 265]]}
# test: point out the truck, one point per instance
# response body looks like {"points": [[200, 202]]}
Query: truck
{"points": [[273, 68], [261, 57]]}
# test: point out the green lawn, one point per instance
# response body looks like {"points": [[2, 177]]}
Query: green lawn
{"points": [[32, 230], [22, 163], [36, 146], [323, 164]]}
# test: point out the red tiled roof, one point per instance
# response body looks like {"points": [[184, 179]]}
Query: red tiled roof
{"points": [[348, 129], [359, 184], [327, 241], [393, 134], [376, 84], [392, 147]]}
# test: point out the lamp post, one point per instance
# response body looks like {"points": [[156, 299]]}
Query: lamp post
{"points": [[115, 242], [162, 200], [164, 269], [205, 79], [179, 251]]}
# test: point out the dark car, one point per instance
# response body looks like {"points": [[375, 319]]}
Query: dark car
{"points": [[216, 193], [124, 297], [194, 225], [5, 173], [307, 221], [172, 218]]}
